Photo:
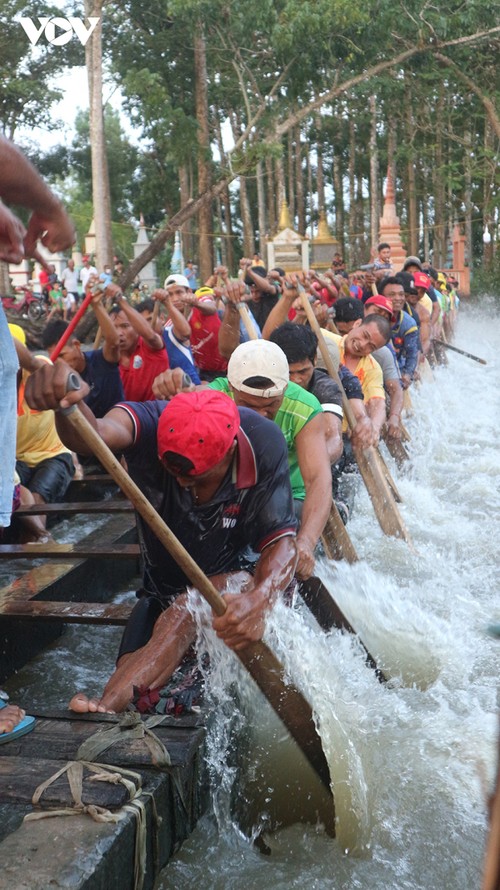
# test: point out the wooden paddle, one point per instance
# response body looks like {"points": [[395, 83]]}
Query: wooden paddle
{"points": [[247, 321], [260, 662], [385, 508], [396, 449], [475, 358], [328, 614]]}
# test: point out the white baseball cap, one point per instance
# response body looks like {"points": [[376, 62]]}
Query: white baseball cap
{"points": [[181, 280], [259, 358]]}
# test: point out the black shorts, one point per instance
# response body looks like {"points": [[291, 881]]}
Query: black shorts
{"points": [[50, 478]]}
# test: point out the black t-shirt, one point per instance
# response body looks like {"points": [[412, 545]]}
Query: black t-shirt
{"points": [[262, 308], [252, 508], [105, 383]]}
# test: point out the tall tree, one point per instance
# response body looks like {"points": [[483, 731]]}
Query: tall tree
{"points": [[100, 176]]}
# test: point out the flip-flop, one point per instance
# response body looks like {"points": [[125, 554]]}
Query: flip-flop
{"points": [[24, 726]]}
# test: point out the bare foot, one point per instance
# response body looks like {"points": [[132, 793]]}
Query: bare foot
{"points": [[10, 716], [81, 704]]}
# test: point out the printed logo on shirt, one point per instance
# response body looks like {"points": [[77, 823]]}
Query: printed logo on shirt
{"points": [[137, 363], [230, 515]]}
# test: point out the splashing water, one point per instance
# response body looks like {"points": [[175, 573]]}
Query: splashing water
{"points": [[411, 761]]}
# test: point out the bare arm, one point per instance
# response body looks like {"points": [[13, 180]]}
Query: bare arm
{"points": [[395, 392], [377, 414], [27, 361], [110, 349], [138, 322], [180, 323], [47, 389], [206, 307], [333, 434], [229, 331], [315, 469], [279, 313], [244, 620], [21, 184]]}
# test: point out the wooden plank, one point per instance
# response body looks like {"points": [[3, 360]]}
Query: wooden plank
{"points": [[19, 779], [68, 551], [118, 505], [63, 738], [70, 613], [40, 581]]}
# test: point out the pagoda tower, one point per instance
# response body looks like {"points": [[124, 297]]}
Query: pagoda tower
{"points": [[389, 229]]}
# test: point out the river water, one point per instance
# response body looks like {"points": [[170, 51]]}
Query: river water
{"points": [[412, 762]]}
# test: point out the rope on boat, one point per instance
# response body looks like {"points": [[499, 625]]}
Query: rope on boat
{"points": [[129, 727]]}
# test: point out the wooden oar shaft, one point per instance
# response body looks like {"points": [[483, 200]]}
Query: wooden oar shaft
{"points": [[261, 663], [247, 321], [71, 327], [475, 358]]}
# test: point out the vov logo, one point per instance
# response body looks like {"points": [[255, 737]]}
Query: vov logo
{"points": [[69, 27]]}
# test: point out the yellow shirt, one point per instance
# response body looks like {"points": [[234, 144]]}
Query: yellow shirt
{"points": [[368, 370], [37, 437], [426, 302]]}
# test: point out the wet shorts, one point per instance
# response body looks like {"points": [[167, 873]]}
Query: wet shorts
{"points": [[50, 478]]}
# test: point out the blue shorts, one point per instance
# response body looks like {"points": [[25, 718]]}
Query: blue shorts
{"points": [[50, 478]]}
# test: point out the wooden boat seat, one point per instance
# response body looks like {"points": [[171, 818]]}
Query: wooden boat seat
{"points": [[68, 551], [72, 572], [70, 613], [116, 505]]}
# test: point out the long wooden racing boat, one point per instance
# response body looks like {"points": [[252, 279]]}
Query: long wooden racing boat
{"points": [[160, 760]]}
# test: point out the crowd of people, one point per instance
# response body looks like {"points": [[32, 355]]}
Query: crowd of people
{"points": [[217, 399]]}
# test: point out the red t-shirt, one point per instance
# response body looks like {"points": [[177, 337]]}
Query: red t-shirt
{"points": [[145, 365], [204, 339]]}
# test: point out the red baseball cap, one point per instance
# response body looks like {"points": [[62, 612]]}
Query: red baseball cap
{"points": [[382, 303], [196, 430], [421, 280]]}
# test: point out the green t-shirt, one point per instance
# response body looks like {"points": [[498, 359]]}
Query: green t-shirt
{"points": [[297, 408]]}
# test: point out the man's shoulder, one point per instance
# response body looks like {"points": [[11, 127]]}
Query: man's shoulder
{"points": [[324, 388], [296, 396]]}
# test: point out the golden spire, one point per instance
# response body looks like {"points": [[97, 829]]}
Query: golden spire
{"points": [[285, 221]]}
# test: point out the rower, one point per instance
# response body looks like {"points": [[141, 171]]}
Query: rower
{"points": [[363, 338], [258, 378], [219, 477], [300, 345]]}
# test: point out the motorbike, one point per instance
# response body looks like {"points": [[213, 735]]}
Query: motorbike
{"points": [[31, 306]]}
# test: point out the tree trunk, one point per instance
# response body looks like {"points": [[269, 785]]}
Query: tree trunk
{"points": [[468, 196], [5, 287], [100, 178], [261, 205], [205, 214], [374, 176], [320, 178], [187, 237], [338, 184], [299, 184], [280, 185], [271, 198], [246, 219], [309, 196], [439, 189], [291, 176], [226, 205], [352, 193], [412, 223]]}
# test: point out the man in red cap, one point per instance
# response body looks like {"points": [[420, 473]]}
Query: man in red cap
{"points": [[219, 477]]}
